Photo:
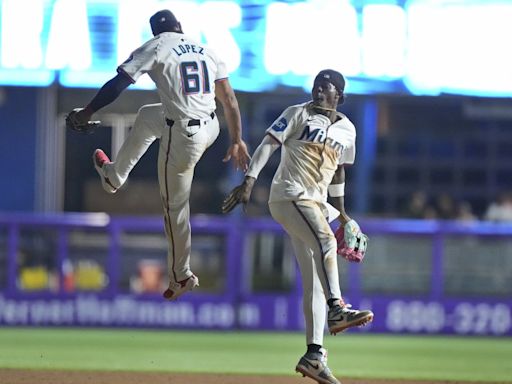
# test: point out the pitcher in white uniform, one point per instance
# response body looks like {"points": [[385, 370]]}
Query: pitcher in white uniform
{"points": [[316, 142], [188, 76]]}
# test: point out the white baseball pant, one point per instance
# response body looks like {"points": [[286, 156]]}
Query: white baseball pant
{"points": [[148, 127], [181, 147], [315, 249]]}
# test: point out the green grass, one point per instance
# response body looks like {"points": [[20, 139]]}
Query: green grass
{"points": [[350, 355]]}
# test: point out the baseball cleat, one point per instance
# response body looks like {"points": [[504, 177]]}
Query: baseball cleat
{"points": [[341, 318], [175, 290], [314, 366], [99, 158]]}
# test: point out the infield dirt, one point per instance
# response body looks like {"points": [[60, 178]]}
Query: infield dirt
{"points": [[18, 376]]}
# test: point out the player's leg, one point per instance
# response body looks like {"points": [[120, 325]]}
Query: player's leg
{"points": [[305, 247], [146, 129], [314, 362], [313, 301], [340, 316], [180, 150], [306, 221]]}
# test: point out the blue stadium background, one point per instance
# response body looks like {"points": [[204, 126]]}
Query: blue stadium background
{"points": [[432, 182]]}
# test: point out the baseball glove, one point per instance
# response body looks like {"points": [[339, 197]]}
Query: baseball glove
{"points": [[79, 121], [352, 243]]}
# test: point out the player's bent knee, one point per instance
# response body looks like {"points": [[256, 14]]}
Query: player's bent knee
{"points": [[149, 111]]}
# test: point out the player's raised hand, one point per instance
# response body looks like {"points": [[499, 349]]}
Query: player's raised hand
{"points": [[240, 154], [239, 194]]}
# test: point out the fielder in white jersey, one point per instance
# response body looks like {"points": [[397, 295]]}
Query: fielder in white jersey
{"points": [[316, 142], [188, 76]]}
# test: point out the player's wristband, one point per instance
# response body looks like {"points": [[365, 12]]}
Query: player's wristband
{"points": [[336, 190]]}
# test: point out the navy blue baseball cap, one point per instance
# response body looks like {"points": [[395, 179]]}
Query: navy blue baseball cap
{"points": [[333, 77], [163, 21]]}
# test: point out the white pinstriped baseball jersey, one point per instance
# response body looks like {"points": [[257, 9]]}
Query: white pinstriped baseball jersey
{"points": [[184, 72], [312, 148]]}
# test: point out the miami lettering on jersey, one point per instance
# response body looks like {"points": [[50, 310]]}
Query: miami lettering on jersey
{"points": [[318, 135], [188, 48]]}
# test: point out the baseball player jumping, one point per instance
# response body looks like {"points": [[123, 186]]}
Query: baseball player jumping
{"points": [[316, 141], [188, 76]]}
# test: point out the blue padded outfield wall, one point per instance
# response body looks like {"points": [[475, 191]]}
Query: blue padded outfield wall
{"points": [[17, 148]]}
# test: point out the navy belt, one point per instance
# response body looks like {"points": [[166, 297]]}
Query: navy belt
{"points": [[191, 122]]}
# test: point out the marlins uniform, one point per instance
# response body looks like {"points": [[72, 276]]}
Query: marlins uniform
{"points": [[185, 73], [189, 77], [316, 141], [311, 149]]}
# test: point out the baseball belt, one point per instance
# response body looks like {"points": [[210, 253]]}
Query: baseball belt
{"points": [[190, 123]]}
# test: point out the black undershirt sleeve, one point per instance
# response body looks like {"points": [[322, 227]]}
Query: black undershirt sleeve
{"points": [[109, 92]]}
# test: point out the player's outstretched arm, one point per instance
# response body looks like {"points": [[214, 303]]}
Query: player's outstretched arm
{"points": [[242, 193], [80, 118], [238, 149]]}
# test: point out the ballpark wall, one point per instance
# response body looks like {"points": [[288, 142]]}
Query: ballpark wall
{"points": [[419, 277]]}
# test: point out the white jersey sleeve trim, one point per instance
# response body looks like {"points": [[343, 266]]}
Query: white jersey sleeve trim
{"points": [[274, 137], [123, 72]]}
